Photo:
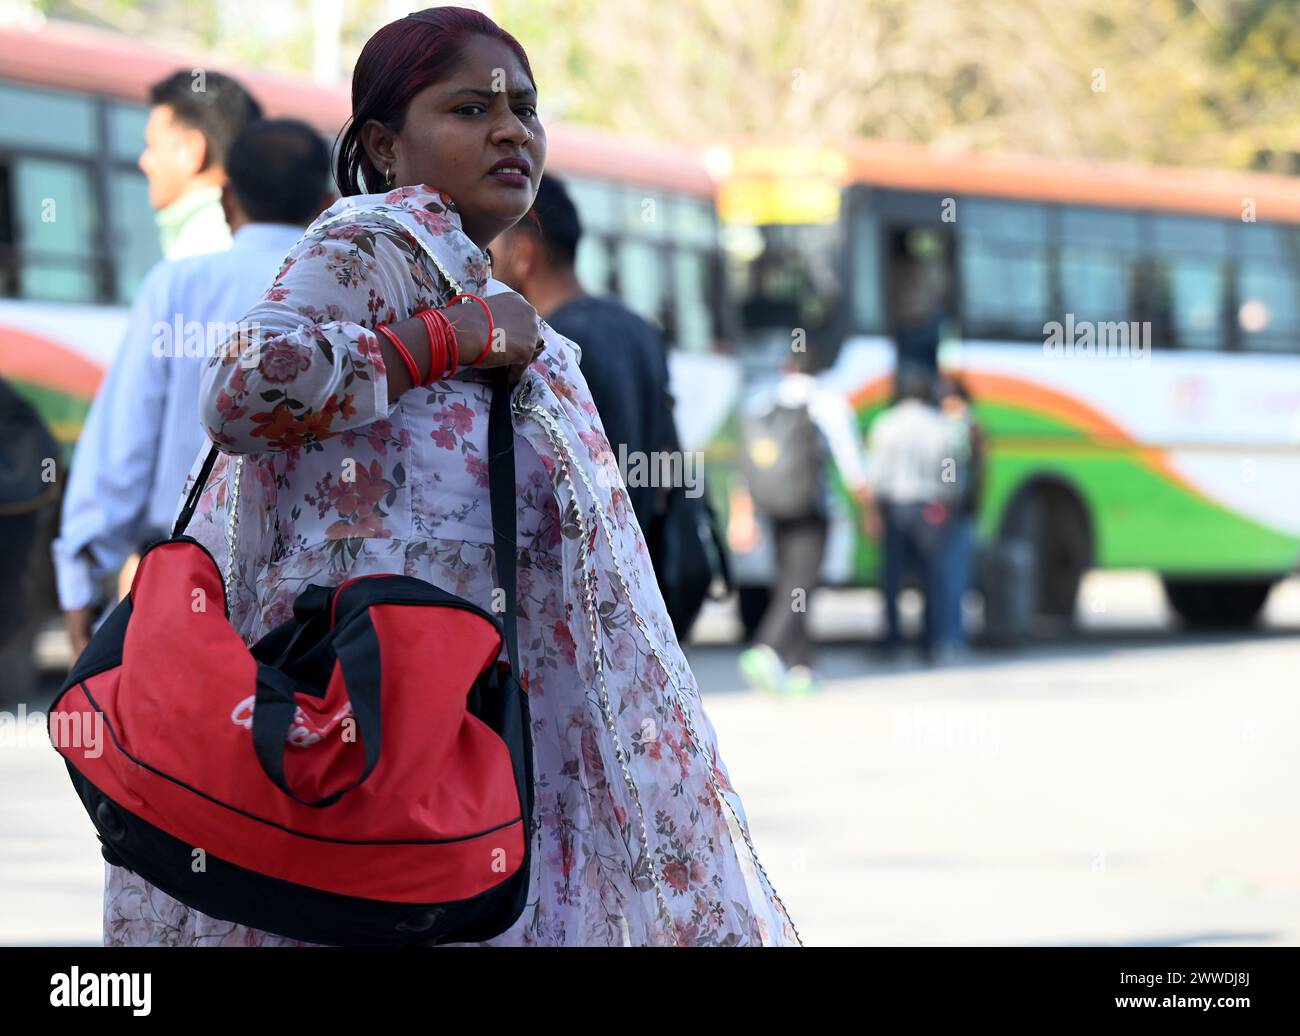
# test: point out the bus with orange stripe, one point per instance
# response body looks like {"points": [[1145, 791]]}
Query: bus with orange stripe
{"points": [[1130, 335]]}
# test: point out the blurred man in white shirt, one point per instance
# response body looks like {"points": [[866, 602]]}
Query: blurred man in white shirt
{"points": [[143, 431], [193, 118], [911, 451]]}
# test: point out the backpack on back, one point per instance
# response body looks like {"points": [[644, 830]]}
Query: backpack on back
{"points": [[781, 457]]}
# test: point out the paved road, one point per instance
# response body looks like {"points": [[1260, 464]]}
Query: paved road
{"points": [[1134, 786]]}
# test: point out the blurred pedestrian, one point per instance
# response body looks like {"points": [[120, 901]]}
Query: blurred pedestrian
{"points": [[909, 448], [968, 474], [144, 430], [624, 359], [790, 435], [193, 118]]}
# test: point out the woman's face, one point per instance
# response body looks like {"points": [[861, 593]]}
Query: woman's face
{"points": [[455, 131]]}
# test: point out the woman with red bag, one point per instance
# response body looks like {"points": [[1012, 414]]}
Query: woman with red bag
{"points": [[352, 417]]}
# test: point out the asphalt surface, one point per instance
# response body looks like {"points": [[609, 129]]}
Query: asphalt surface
{"points": [[1129, 784]]}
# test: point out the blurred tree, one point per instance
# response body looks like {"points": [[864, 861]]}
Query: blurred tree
{"points": [[1206, 82], [1259, 47]]}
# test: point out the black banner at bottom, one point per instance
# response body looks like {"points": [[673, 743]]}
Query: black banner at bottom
{"points": [[332, 985]]}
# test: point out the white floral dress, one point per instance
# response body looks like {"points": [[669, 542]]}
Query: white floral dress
{"points": [[640, 838]]}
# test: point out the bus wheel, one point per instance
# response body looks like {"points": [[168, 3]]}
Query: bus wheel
{"points": [[1223, 603], [1050, 516], [753, 603]]}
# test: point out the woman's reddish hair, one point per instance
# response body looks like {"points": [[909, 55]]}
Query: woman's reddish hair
{"points": [[397, 62]]}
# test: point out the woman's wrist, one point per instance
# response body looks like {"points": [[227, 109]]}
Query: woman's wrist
{"points": [[469, 323], [415, 337]]}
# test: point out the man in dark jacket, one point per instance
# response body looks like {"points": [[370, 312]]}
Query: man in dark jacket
{"points": [[624, 359]]}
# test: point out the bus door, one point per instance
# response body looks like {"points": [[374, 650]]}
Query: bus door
{"points": [[918, 249]]}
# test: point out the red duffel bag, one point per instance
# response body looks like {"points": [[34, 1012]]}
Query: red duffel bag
{"points": [[361, 776]]}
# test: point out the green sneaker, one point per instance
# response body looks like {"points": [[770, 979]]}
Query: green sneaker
{"points": [[799, 682], [761, 666]]}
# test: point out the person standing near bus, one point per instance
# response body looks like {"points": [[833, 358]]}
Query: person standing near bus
{"points": [[959, 550], [144, 431], [625, 362], [193, 118], [909, 448], [790, 434], [624, 359]]}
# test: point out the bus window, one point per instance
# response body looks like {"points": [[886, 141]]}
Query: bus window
{"points": [[691, 314], [46, 120], [1188, 304], [597, 205], [1097, 260], [1267, 315], [641, 279], [55, 219], [126, 131], [787, 278], [8, 234], [1004, 268], [867, 280], [694, 224], [1187, 289], [646, 214], [1268, 287], [135, 232], [592, 264]]}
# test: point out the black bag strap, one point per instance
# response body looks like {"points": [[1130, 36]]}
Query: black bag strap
{"points": [[501, 490], [192, 501]]}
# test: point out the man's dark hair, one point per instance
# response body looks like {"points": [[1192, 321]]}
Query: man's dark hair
{"points": [[279, 170], [557, 224], [219, 110]]}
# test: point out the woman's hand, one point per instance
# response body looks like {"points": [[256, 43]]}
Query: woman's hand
{"points": [[516, 332], [516, 339]]}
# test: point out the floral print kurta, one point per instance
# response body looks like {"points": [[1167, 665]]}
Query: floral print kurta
{"points": [[640, 838]]}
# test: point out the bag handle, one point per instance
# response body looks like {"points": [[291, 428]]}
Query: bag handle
{"points": [[356, 646]]}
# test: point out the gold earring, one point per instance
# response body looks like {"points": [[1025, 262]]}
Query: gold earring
{"points": [[388, 177]]}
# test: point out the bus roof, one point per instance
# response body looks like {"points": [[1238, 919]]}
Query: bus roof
{"points": [[87, 60], [1127, 185]]}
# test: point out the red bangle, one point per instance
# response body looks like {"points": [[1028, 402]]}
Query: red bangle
{"points": [[449, 337], [442, 344], [437, 358], [488, 311], [402, 351], [453, 343]]}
